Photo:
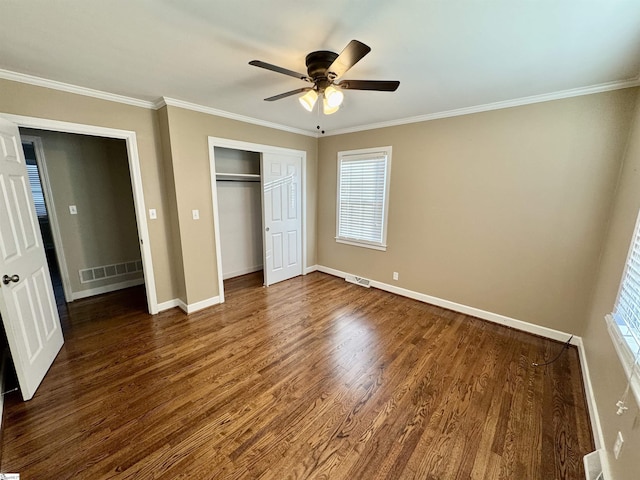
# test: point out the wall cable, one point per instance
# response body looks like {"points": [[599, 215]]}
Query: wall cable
{"points": [[564, 347]]}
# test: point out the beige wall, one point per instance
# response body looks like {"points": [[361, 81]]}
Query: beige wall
{"points": [[189, 132], [606, 373], [504, 211], [28, 100], [171, 206], [91, 173]]}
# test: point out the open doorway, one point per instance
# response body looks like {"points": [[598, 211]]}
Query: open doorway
{"points": [[84, 203], [135, 178], [28, 308]]}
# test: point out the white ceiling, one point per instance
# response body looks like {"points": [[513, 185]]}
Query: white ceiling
{"points": [[447, 54]]}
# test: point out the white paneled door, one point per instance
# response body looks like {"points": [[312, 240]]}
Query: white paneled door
{"points": [[282, 211], [27, 304]]}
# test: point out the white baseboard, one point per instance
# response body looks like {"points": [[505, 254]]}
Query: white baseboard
{"points": [[194, 307], [188, 308], [182, 306], [593, 412], [310, 269], [243, 271], [106, 289], [457, 307], [169, 304], [591, 400]]}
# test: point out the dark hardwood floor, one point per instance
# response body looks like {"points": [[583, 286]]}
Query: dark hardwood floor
{"points": [[310, 378]]}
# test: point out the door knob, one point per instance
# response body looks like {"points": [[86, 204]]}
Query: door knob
{"points": [[8, 279], [267, 229]]}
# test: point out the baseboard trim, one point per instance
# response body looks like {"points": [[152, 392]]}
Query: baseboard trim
{"points": [[310, 269], [168, 305], [201, 305], [182, 306], [242, 271], [107, 288], [467, 310], [594, 415], [188, 308]]}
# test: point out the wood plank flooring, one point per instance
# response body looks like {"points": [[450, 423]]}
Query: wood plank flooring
{"points": [[310, 378]]}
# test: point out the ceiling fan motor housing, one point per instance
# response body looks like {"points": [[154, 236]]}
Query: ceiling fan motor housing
{"points": [[317, 65]]}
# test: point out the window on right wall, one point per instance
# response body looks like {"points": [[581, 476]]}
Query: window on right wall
{"points": [[624, 321], [363, 197]]}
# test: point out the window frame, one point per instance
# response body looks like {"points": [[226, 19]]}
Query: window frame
{"points": [[364, 152], [629, 359]]}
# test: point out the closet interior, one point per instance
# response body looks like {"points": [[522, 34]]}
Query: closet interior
{"points": [[240, 211]]}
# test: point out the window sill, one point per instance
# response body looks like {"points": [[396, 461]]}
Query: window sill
{"points": [[625, 356], [362, 244]]}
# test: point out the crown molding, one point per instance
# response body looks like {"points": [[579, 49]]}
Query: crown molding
{"points": [[164, 101], [67, 87], [547, 97], [136, 102]]}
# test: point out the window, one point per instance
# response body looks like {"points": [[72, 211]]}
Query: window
{"points": [[624, 322], [363, 197], [36, 190], [34, 178]]}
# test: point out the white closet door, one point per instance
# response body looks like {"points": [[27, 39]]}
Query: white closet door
{"points": [[27, 305], [282, 214]]}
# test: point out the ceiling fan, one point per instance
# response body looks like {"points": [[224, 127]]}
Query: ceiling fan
{"points": [[323, 69]]}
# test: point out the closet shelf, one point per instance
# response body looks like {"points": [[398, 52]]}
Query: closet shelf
{"points": [[238, 177]]}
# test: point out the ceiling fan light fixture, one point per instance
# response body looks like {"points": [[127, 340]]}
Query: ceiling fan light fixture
{"points": [[328, 109], [333, 96], [308, 100], [323, 68]]}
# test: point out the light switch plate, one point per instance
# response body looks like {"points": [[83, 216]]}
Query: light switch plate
{"points": [[152, 214], [196, 214], [73, 210]]}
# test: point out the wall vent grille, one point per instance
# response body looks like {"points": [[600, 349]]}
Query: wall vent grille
{"points": [[365, 282], [593, 465], [108, 271]]}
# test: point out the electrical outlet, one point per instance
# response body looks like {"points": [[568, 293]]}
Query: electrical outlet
{"points": [[196, 214], [395, 275], [617, 447]]}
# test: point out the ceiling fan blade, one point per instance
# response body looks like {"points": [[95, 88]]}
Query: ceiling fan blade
{"points": [[348, 58], [287, 94], [275, 68], [380, 85]]}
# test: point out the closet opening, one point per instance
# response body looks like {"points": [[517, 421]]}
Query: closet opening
{"points": [[240, 212], [259, 200]]}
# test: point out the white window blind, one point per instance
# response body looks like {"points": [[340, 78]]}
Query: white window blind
{"points": [[624, 322], [36, 190], [363, 183]]}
